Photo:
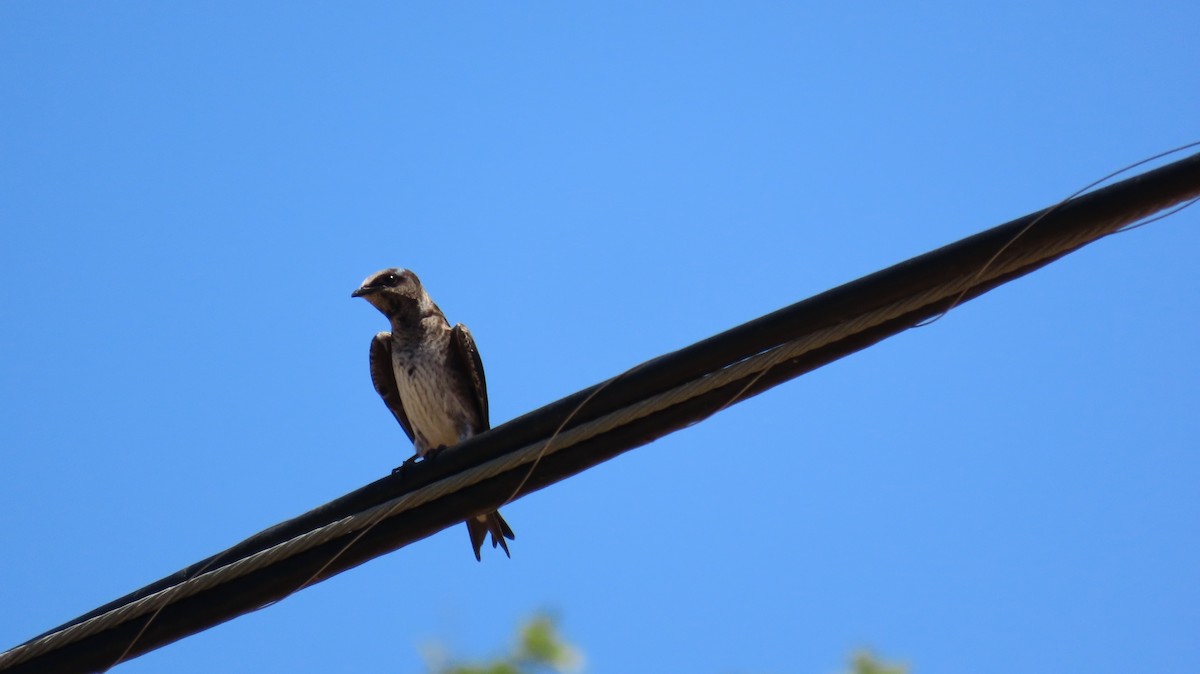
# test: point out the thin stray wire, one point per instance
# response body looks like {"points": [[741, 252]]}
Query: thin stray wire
{"points": [[546, 447], [1055, 207], [1160, 216], [138, 636], [566, 420], [553, 436], [317, 574]]}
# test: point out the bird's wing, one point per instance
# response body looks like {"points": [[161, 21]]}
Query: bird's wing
{"points": [[384, 379], [468, 358]]}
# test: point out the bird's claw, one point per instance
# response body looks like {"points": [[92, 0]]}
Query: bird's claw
{"points": [[429, 454], [403, 468]]}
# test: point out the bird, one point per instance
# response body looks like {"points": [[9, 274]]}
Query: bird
{"points": [[431, 377]]}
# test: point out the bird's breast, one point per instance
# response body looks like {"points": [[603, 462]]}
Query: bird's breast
{"points": [[427, 391]]}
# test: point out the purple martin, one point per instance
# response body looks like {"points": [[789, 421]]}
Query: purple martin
{"points": [[431, 378]]}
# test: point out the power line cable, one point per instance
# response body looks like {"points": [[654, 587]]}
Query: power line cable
{"points": [[568, 436]]}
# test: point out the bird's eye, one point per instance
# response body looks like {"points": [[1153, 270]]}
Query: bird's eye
{"points": [[391, 280]]}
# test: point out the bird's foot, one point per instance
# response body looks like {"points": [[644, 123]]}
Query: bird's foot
{"points": [[403, 468], [430, 453]]}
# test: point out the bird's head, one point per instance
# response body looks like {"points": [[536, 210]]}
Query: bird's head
{"points": [[395, 292]]}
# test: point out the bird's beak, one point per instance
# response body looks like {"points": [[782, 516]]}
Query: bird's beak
{"points": [[365, 290]]}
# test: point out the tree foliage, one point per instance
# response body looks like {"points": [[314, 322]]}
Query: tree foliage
{"points": [[540, 649], [865, 663]]}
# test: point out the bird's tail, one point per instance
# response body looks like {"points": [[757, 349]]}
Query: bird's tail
{"points": [[479, 527]]}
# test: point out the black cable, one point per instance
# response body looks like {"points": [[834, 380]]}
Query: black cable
{"points": [[1080, 220]]}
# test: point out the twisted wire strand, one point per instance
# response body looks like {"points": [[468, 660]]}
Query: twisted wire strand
{"points": [[752, 366]]}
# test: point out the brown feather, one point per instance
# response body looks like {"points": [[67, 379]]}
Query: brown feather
{"points": [[479, 527], [384, 379], [468, 357]]}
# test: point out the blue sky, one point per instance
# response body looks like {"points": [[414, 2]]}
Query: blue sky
{"points": [[189, 192]]}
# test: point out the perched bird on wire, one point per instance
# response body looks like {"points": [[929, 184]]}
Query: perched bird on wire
{"points": [[431, 377]]}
